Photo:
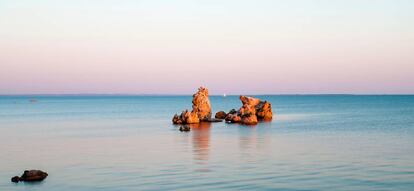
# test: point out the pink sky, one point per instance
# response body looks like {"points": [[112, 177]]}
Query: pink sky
{"points": [[233, 47]]}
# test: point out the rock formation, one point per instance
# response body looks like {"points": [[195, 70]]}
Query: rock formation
{"points": [[30, 176], [251, 112], [201, 109]]}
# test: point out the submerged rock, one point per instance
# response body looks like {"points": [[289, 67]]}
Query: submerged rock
{"points": [[214, 120], [184, 128], [220, 115], [30, 176], [15, 179]]}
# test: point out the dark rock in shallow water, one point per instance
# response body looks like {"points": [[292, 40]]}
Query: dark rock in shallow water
{"points": [[213, 120], [30, 176], [185, 128], [33, 175], [220, 115], [15, 179]]}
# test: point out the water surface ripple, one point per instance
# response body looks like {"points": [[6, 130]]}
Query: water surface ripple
{"points": [[339, 142]]}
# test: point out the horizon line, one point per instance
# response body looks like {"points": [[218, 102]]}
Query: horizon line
{"points": [[222, 95]]}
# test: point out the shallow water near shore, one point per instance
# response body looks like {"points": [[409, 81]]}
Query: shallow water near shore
{"points": [[315, 142]]}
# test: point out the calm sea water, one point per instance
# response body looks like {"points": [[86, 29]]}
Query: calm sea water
{"points": [[128, 143]]}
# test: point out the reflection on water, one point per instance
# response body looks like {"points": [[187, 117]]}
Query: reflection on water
{"points": [[201, 141], [253, 139], [248, 138], [129, 143]]}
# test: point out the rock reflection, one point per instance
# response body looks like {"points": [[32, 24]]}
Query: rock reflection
{"points": [[201, 141], [248, 138], [253, 139]]}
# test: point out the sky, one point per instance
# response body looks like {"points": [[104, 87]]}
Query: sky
{"points": [[229, 46]]}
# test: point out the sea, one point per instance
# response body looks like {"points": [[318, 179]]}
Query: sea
{"points": [[128, 142]]}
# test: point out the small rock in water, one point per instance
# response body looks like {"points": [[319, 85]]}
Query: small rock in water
{"points": [[15, 179], [220, 115], [30, 176], [185, 128]]}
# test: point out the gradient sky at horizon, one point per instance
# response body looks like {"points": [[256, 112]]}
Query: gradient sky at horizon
{"points": [[230, 46]]}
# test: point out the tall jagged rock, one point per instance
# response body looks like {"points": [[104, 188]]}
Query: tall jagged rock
{"points": [[201, 109], [201, 104]]}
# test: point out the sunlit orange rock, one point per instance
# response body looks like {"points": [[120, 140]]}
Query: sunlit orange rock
{"points": [[186, 117], [201, 104], [191, 117], [233, 118], [251, 112], [248, 114], [201, 109], [249, 100], [249, 120], [264, 111]]}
